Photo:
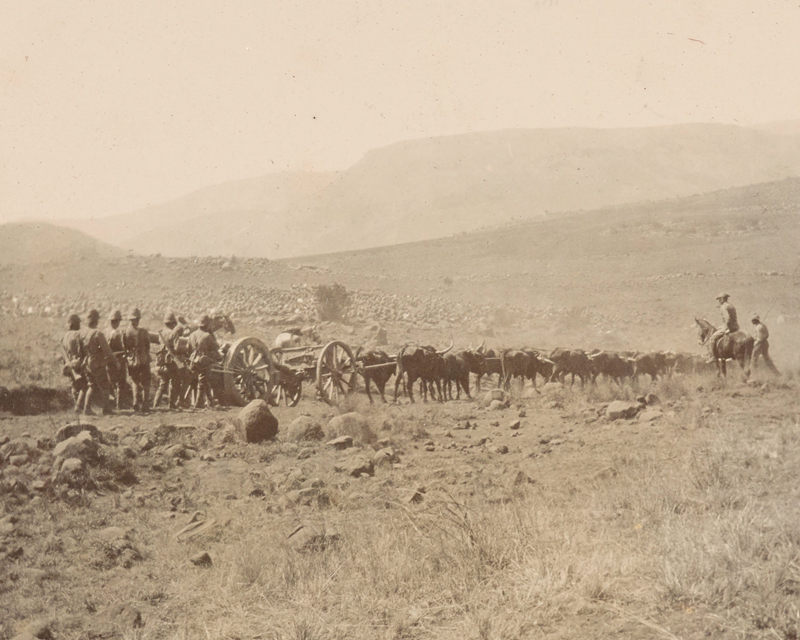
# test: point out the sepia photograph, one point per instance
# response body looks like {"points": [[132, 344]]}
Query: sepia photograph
{"points": [[399, 320]]}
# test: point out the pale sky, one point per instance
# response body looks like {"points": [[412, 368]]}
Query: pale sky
{"points": [[108, 106]]}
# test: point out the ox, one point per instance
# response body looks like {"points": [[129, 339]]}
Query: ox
{"points": [[611, 365], [488, 364], [297, 336], [653, 364], [420, 363], [380, 375], [514, 364], [457, 367], [570, 361], [538, 365]]}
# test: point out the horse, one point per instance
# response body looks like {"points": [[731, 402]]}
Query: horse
{"points": [[297, 336], [736, 346]]}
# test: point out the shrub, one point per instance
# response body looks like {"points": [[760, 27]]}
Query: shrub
{"points": [[332, 301]]}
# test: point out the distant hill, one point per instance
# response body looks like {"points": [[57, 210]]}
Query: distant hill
{"points": [[35, 243], [422, 189]]}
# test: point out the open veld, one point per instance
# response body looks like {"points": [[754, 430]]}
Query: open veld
{"points": [[538, 518]]}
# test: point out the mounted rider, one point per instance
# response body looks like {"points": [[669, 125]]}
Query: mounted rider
{"points": [[729, 324]]}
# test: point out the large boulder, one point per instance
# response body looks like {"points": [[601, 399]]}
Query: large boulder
{"points": [[304, 428], [255, 422], [83, 447], [351, 424], [73, 429]]}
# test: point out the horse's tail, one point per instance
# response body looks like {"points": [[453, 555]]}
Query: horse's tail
{"points": [[748, 353]]}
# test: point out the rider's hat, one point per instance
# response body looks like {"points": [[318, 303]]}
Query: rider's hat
{"points": [[135, 314], [94, 314], [205, 322], [74, 320], [170, 318], [755, 316], [723, 296], [116, 314]]}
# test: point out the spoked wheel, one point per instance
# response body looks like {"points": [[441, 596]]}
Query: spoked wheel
{"points": [[249, 371], [336, 372], [287, 393]]}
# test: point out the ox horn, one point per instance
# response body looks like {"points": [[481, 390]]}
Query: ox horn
{"points": [[480, 349], [441, 353]]}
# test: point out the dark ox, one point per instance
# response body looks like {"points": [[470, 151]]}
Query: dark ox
{"points": [[611, 365], [420, 363], [514, 364], [457, 367], [380, 374], [538, 364], [488, 364], [653, 364], [571, 361]]}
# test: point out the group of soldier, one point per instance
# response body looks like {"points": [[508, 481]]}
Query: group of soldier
{"points": [[100, 364]]}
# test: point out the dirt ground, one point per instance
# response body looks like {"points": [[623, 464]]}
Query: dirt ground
{"points": [[540, 519]]}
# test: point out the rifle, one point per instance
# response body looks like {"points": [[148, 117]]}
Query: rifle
{"points": [[77, 376], [165, 343]]}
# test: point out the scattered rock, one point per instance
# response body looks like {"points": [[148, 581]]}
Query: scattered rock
{"points": [[71, 466], [201, 559], [305, 428], [116, 621], [351, 424], [496, 405], [73, 429], [310, 537], [413, 496], [255, 422], [81, 446], [621, 409], [515, 424], [649, 415], [522, 413], [359, 466], [146, 443], [501, 449], [519, 477], [18, 460], [342, 442], [651, 399], [386, 456], [496, 395]]}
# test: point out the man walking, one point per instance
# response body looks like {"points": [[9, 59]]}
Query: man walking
{"points": [[74, 355], [136, 341], [761, 345], [99, 359]]}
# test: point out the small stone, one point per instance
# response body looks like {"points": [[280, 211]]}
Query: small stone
{"points": [[501, 449], [342, 442], [305, 428], [515, 424], [496, 405], [305, 453], [18, 460], [201, 559], [621, 409], [309, 538], [71, 466], [522, 413], [385, 456], [146, 443]]}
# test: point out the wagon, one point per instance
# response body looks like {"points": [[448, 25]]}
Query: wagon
{"points": [[252, 370]]}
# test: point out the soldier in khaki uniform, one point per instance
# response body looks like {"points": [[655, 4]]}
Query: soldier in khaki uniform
{"points": [[205, 352], [74, 356], [761, 346], [118, 377], [99, 359], [169, 362], [136, 341]]}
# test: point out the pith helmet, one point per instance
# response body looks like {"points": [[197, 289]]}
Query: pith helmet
{"points": [[205, 322], [170, 318], [74, 319], [94, 314], [135, 314], [723, 296], [755, 316], [116, 314]]}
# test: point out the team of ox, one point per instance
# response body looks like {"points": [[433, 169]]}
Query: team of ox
{"points": [[439, 371]]}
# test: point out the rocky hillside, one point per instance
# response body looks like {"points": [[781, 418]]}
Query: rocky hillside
{"points": [[422, 189], [38, 242]]}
